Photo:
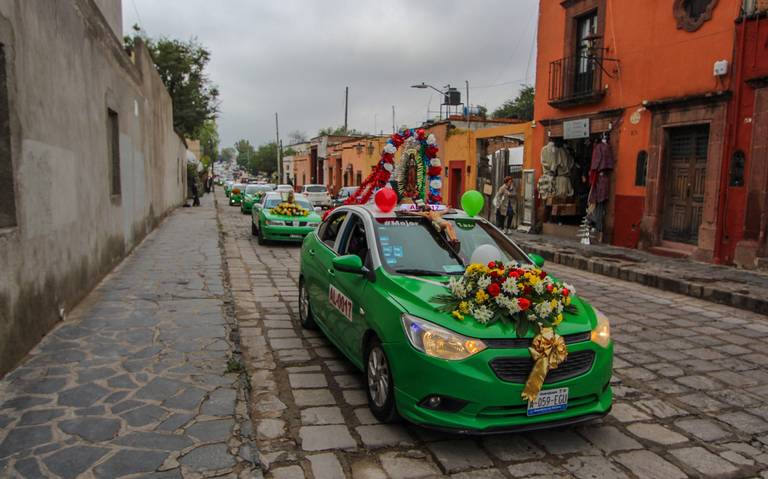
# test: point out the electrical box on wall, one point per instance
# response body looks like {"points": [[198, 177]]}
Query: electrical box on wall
{"points": [[721, 68]]}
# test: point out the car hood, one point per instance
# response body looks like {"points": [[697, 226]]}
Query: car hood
{"points": [[414, 295]]}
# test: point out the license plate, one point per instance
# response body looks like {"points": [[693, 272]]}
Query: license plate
{"points": [[295, 223], [551, 400], [296, 236]]}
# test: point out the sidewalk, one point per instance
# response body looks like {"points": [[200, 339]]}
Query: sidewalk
{"points": [[134, 382], [720, 284]]}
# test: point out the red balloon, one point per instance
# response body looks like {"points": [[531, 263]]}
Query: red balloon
{"points": [[386, 199]]}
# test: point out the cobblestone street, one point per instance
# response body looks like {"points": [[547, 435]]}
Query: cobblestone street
{"points": [[134, 382], [689, 382]]}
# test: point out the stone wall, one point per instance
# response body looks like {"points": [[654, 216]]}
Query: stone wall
{"points": [[64, 69]]}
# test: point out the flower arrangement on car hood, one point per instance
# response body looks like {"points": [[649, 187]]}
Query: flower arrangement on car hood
{"points": [[525, 296], [288, 207]]}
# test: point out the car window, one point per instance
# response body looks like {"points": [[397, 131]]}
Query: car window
{"points": [[329, 230], [251, 189], [315, 189], [354, 239], [415, 244]]}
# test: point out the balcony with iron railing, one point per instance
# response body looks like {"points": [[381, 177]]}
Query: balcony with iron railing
{"points": [[576, 80]]}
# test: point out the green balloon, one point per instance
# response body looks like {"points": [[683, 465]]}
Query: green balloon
{"points": [[472, 202]]}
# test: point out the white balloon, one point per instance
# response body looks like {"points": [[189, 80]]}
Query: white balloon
{"points": [[485, 253], [431, 140], [390, 148], [434, 162], [389, 167], [436, 184]]}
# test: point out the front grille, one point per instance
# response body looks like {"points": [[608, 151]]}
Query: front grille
{"points": [[520, 343], [302, 223], [516, 370]]}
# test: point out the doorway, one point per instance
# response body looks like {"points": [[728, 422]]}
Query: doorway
{"points": [[456, 185], [687, 150]]}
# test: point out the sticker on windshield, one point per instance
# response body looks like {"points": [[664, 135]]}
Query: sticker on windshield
{"points": [[465, 225], [391, 260], [453, 268], [397, 251], [384, 239], [340, 302], [387, 250]]}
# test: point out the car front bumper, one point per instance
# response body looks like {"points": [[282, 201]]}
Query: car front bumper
{"points": [[234, 200], [492, 404], [287, 233]]}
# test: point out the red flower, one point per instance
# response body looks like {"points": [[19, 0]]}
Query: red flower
{"points": [[527, 290], [494, 290], [514, 274], [397, 140], [420, 133], [492, 264], [542, 275], [431, 151], [566, 292], [494, 273], [523, 303], [434, 171], [550, 288]]}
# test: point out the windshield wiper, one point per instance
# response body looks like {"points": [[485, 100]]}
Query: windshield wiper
{"points": [[426, 272]]}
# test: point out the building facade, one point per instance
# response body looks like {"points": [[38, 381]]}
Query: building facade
{"points": [[89, 159], [634, 101]]}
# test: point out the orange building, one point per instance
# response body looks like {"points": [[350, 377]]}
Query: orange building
{"points": [[653, 80]]}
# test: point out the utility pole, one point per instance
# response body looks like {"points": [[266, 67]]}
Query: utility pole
{"points": [[277, 147], [393, 120], [346, 108], [469, 114]]}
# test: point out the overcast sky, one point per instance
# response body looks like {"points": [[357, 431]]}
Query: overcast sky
{"points": [[295, 57]]}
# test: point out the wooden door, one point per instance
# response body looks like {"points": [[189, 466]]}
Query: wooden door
{"points": [[686, 165], [456, 187]]}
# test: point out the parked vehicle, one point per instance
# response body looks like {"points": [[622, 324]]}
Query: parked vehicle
{"points": [[253, 194], [317, 194], [228, 187], [368, 280], [268, 225], [342, 195], [236, 194], [284, 188]]}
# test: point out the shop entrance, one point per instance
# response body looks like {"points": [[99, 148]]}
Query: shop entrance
{"points": [[687, 150]]}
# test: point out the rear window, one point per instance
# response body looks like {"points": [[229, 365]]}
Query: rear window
{"points": [[315, 189], [251, 189]]}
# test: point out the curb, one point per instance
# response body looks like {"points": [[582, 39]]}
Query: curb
{"points": [[664, 282]]}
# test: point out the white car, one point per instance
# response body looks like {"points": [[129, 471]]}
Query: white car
{"points": [[317, 194], [284, 188]]}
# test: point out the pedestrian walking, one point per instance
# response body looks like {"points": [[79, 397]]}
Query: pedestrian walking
{"points": [[195, 193], [504, 202]]}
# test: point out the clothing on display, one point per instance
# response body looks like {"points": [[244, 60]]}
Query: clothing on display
{"points": [[556, 164], [600, 181]]}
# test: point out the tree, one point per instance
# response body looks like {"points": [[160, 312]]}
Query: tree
{"points": [[521, 107], [228, 154], [265, 160], [245, 152], [209, 141], [181, 66], [296, 136], [339, 131]]}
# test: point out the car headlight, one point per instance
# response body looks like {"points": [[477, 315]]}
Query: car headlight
{"points": [[601, 335], [274, 223], [314, 225], [439, 342]]}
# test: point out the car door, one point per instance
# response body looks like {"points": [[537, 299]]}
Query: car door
{"points": [[316, 274], [349, 290]]}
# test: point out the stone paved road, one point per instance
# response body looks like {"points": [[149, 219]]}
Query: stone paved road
{"points": [[134, 382], [690, 383]]}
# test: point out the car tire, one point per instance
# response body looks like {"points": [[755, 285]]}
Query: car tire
{"points": [[380, 388], [306, 318], [254, 231], [260, 238]]}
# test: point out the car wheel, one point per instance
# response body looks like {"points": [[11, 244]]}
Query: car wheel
{"points": [[381, 389], [254, 231], [260, 237], [306, 317]]}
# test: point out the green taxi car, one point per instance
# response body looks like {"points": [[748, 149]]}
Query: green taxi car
{"points": [[228, 187], [253, 194], [367, 280], [267, 226], [236, 194]]}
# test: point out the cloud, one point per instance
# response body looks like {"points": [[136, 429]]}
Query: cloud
{"points": [[295, 57]]}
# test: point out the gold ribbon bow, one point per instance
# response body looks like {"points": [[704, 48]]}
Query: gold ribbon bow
{"points": [[548, 352]]}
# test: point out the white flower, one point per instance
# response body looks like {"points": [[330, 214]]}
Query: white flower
{"points": [[431, 140], [390, 148], [483, 282], [458, 288], [482, 314], [510, 286], [436, 184], [434, 162], [510, 304], [539, 288]]}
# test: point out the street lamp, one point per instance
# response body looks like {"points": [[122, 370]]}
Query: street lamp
{"points": [[424, 86], [450, 96]]}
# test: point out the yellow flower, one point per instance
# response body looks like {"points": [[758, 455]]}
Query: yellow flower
{"points": [[520, 286], [457, 315], [481, 296], [553, 303], [568, 301], [464, 307]]}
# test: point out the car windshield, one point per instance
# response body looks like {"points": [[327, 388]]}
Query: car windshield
{"points": [[315, 189], [410, 245], [273, 201], [251, 189]]}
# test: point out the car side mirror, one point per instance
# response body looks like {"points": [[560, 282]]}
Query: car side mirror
{"points": [[537, 260], [350, 263]]}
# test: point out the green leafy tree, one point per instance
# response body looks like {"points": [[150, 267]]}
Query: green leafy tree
{"points": [[181, 65], [521, 107], [245, 153], [339, 131], [209, 141], [265, 160], [227, 154]]}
